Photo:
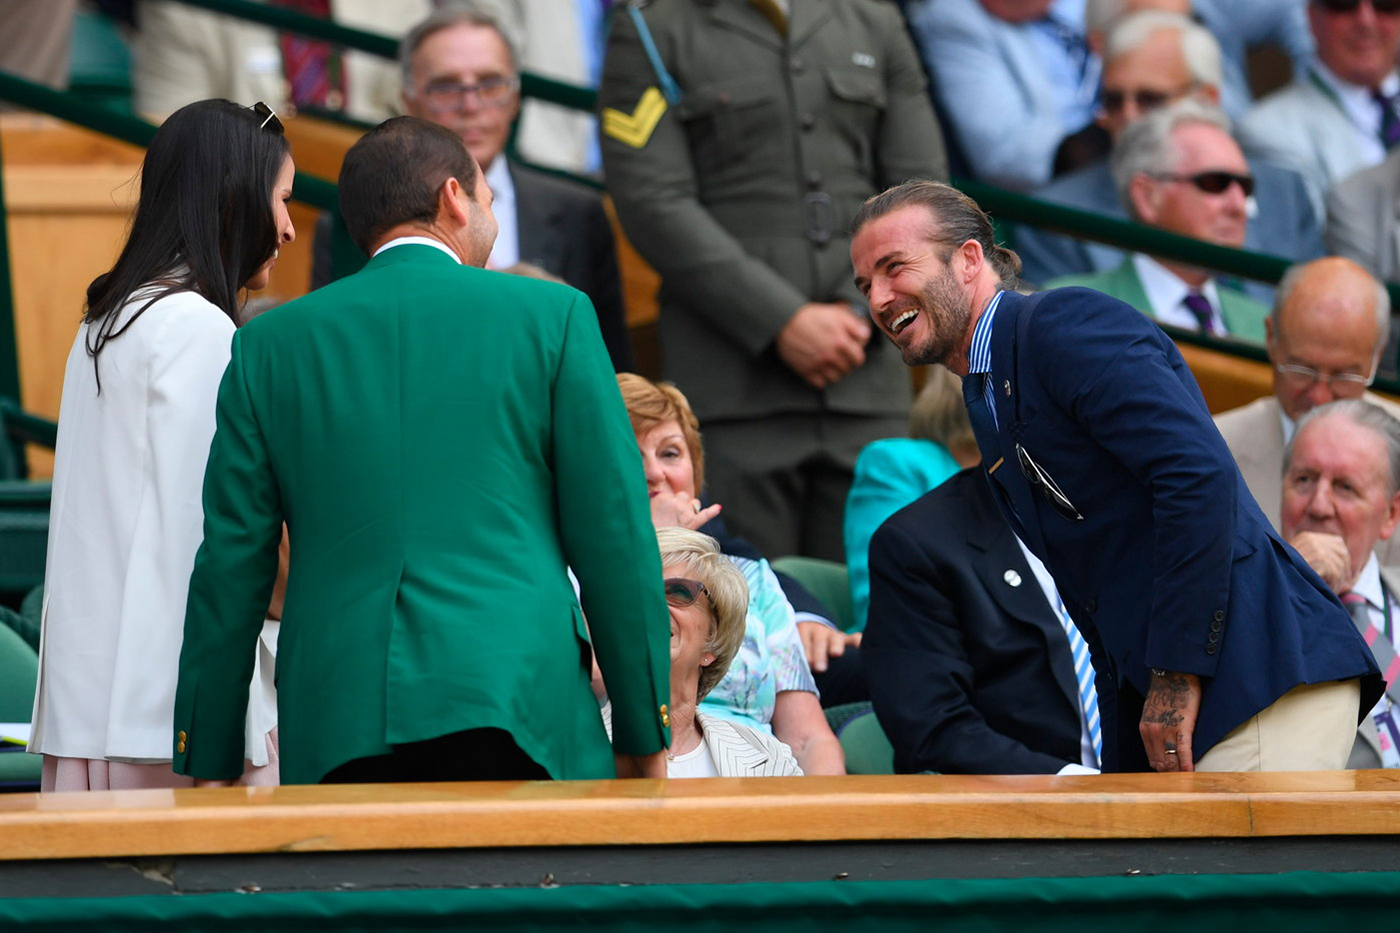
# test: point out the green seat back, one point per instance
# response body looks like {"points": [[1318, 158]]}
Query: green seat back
{"points": [[827, 580]]}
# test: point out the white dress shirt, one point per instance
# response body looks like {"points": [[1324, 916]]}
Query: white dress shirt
{"points": [[506, 250], [1166, 292]]}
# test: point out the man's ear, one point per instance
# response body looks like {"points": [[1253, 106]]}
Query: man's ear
{"points": [[1142, 197], [1392, 517], [973, 259], [453, 203]]}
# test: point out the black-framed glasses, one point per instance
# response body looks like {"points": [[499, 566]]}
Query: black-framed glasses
{"points": [[1145, 99], [1040, 480], [491, 92], [267, 118], [1214, 182], [1388, 7], [1350, 383], [682, 592]]}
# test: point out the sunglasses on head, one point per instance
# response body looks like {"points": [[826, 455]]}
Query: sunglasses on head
{"points": [[1214, 182], [1349, 6], [681, 592], [267, 118]]}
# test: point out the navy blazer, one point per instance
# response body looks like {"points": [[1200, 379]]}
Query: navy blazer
{"points": [[969, 669], [1173, 565]]}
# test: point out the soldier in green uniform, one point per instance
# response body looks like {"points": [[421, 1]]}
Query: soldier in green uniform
{"points": [[739, 137]]}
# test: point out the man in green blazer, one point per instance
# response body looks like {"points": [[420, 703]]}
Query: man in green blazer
{"points": [[441, 441]]}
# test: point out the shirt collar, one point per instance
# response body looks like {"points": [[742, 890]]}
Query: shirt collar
{"points": [[979, 354], [418, 241], [1165, 292]]}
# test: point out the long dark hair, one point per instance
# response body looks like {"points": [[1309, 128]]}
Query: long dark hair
{"points": [[203, 222]]}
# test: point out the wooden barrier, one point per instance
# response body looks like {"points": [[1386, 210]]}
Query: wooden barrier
{"points": [[673, 813]]}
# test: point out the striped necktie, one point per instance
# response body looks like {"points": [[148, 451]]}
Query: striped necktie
{"points": [[1200, 309], [1390, 121], [1084, 676]]}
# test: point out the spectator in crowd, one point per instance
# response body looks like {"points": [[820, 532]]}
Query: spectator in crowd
{"points": [[134, 427], [1341, 498], [182, 53], [446, 440], [1238, 26], [1325, 334], [38, 41], [736, 159], [1151, 60], [769, 686], [708, 600], [1341, 116], [966, 650], [894, 471], [1011, 77], [1362, 223], [1106, 464], [459, 70], [1179, 170]]}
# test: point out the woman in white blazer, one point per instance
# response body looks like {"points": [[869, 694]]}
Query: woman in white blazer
{"points": [[135, 424]]}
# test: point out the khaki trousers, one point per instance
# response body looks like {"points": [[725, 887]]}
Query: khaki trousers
{"points": [[1309, 728]]}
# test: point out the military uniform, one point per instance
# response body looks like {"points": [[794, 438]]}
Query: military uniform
{"points": [[740, 189]]}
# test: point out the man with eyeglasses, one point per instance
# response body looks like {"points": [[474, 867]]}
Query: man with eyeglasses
{"points": [[1341, 115], [1151, 60], [459, 71], [1325, 333], [1213, 642], [1179, 170]]}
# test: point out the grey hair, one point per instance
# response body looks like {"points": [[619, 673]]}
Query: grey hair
{"points": [[1363, 414], [1199, 50], [1145, 146], [939, 413], [729, 596], [1295, 273], [954, 219], [458, 13]]}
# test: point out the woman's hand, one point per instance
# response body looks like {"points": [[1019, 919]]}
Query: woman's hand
{"points": [[822, 642], [679, 509]]}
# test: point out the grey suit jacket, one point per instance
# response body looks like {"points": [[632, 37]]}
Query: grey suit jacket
{"points": [[1362, 213], [1301, 127], [1286, 225], [1366, 752], [1254, 434]]}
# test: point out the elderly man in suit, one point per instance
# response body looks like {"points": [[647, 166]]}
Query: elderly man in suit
{"points": [[1341, 116], [1325, 334], [1216, 646], [1178, 169], [1363, 218], [459, 69], [1153, 59], [739, 138], [1341, 498], [966, 650], [442, 441]]}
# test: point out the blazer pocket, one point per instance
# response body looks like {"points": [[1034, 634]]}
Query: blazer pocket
{"points": [[730, 127]]}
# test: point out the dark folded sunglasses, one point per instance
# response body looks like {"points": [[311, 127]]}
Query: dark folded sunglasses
{"points": [[267, 118], [1039, 480], [1349, 6], [1215, 182]]}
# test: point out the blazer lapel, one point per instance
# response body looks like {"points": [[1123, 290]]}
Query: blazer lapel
{"points": [[733, 755], [535, 222], [1006, 331]]}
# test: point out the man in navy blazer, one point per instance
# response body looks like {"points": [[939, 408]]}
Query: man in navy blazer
{"points": [[969, 669], [1104, 458]]}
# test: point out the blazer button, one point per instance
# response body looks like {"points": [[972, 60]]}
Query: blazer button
{"points": [[1091, 607], [1212, 649], [1213, 638], [1216, 626], [665, 716], [180, 747], [1218, 615]]}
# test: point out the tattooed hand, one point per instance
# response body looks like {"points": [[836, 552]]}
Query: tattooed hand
{"points": [[1169, 719]]}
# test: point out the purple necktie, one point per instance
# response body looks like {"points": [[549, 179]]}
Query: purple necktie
{"points": [[1390, 121], [1199, 307]]}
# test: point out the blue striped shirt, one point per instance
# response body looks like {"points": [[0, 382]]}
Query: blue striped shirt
{"points": [[979, 354]]}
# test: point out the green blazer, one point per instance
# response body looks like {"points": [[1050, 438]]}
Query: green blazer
{"points": [[1243, 316], [441, 442]]}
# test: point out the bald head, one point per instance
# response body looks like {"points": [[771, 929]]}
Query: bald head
{"points": [[1330, 316]]}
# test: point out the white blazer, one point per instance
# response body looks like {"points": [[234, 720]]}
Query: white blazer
{"points": [[125, 524]]}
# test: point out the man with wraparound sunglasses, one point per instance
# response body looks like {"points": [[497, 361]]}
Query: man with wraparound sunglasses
{"points": [[1153, 59], [1178, 169], [1341, 115]]}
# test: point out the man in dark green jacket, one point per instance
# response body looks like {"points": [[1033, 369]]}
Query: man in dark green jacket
{"points": [[441, 441], [737, 155]]}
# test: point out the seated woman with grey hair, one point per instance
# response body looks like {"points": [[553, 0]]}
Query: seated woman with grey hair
{"points": [[708, 600]]}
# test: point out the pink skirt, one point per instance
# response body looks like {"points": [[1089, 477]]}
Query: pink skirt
{"points": [[65, 774]]}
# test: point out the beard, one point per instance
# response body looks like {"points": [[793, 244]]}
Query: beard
{"points": [[944, 307]]}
